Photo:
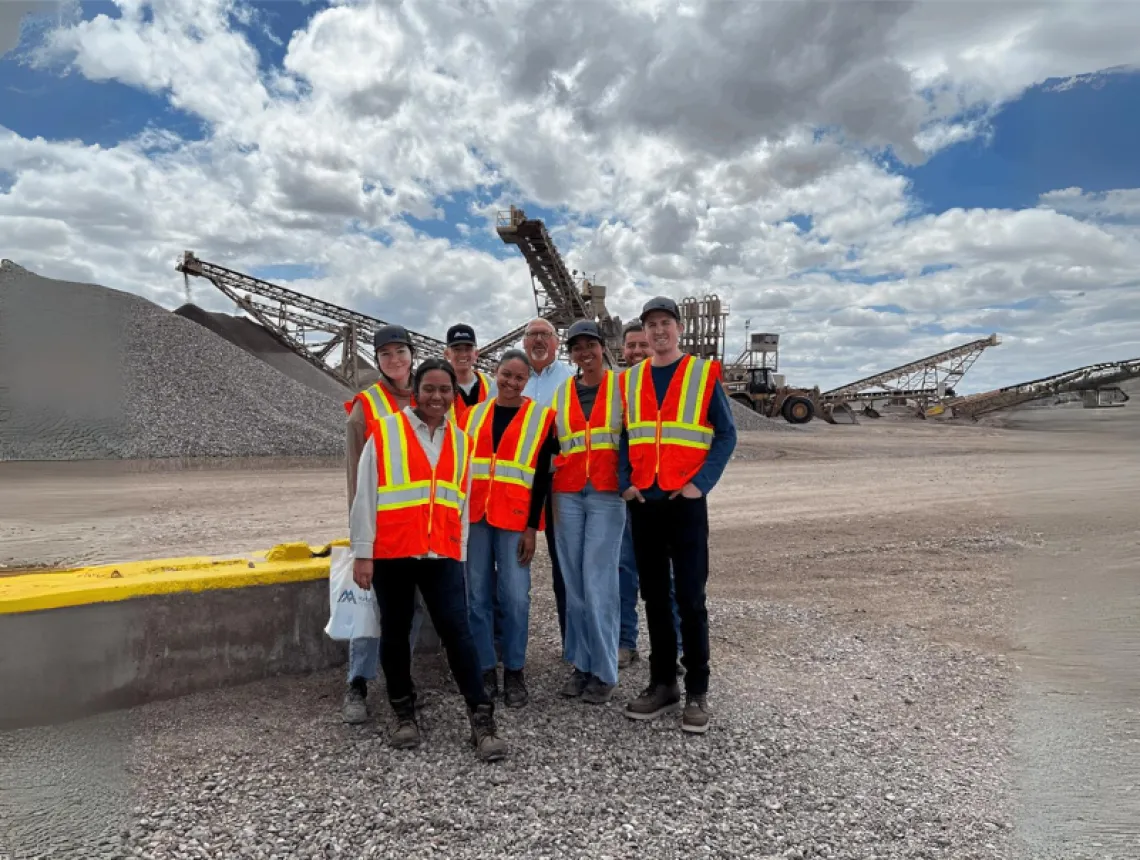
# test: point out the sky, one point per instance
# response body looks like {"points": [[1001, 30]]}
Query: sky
{"points": [[873, 181]]}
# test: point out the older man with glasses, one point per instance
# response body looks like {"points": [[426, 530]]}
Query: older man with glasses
{"points": [[540, 342]]}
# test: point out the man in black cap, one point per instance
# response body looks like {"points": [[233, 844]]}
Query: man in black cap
{"points": [[462, 353], [678, 438]]}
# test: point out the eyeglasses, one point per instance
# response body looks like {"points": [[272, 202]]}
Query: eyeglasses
{"points": [[535, 335]]}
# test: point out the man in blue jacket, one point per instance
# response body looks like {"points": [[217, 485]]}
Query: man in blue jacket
{"points": [[682, 444]]}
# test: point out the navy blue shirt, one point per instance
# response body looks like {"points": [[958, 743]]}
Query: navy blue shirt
{"points": [[723, 443]]}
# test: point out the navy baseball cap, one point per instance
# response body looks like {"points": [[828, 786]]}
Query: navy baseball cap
{"points": [[460, 333]]}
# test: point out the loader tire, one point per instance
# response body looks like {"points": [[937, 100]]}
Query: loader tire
{"points": [[798, 410]]}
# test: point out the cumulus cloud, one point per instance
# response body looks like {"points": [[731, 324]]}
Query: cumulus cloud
{"points": [[1119, 204], [708, 147]]}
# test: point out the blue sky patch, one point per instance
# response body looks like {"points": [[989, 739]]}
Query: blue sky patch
{"points": [[1085, 135]]}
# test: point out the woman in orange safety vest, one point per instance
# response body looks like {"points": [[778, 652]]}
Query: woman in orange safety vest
{"points": [[395, 352], [409, 529], [510, 475], [589, 514]]}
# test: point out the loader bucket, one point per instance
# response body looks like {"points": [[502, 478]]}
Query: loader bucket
{"points": [[839, 413]]}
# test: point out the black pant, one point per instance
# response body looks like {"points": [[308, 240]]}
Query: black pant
{"points": [[556, 568], [674, 530], [445, 597]]}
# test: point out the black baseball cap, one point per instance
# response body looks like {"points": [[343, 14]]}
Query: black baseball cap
{"points": [[661, 303], [584, 328], [387, 334], [460, 333]]}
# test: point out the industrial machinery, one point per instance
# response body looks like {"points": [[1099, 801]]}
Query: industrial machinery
{"points": [[1095, 384], [312, 328], [753, 381], [922, 383], [563, 296], [704, 321], [559, 294]]}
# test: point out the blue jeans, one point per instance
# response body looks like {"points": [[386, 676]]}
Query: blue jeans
{"points": [[627, 577], [589, 529], [364, 653], [493, 570]]}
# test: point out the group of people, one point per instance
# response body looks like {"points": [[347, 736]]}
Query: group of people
{"points": [[453, 472]]}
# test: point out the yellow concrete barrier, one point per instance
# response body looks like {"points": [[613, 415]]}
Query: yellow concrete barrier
{"points": [[291, 562]]}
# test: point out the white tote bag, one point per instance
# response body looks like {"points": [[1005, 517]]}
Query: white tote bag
{"points": [[353, 613]]}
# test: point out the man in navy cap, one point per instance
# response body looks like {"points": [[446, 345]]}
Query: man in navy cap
{"points": [[462, 353], [679, 435]]}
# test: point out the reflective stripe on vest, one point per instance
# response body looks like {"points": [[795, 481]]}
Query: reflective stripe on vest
{"points": [[417, 506], [588, 446], [668, 444], [502, 480], [689, 426]]}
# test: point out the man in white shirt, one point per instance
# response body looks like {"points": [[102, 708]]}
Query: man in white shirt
{"points": [[540, 341]]}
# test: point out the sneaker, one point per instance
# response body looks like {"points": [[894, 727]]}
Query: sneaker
{"points": [[484, 737], [405, 734], [514, 688], [696, 717], [655, 700], [627, 657], [491, 684], [576, 684], [355, 708], [598, 692]]}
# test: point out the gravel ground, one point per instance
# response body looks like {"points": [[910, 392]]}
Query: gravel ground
{"points": [[828, 745], [94, 373]]}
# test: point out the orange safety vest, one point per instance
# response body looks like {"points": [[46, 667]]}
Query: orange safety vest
{"points": [[669, 444], [418, 507], [589, 450], [502, 479], [378, 403], [459, 407]]}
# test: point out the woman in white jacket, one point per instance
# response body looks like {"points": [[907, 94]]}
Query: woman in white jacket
{"points": [[409, 529]]}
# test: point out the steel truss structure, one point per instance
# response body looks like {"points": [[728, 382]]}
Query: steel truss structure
{"points": [[926, 380], [1091, 378], [292, 317], [559, 295]]}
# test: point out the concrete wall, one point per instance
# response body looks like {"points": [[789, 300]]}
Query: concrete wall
{"points": [[73, 661]]}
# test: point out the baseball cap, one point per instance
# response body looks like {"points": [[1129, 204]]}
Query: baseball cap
{"points": [[661, 303], [460, 333], [387, 334], [584, 328]]}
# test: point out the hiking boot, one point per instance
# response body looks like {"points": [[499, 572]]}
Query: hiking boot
{"points": [[576, 684], [627, 657], [484, 737], [355, 708], [491, 684], [405, 734], [655, 700], [514, 688], [696, 716], [598, 692]]}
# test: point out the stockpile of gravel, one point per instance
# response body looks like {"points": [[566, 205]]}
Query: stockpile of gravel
{"points": [[88, 372], [258, 342], [747, 419]]}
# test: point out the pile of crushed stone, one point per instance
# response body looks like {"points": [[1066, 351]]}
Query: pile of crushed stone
{"points": [[746, 419], [88, 372]]}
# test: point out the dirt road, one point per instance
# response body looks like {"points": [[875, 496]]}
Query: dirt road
{"points": [[957, 607]]}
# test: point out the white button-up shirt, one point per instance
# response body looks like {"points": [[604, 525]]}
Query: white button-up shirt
{"points": [[542, 385], [362, 520]]}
